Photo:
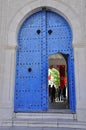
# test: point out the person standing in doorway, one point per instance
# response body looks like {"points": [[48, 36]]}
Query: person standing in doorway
{"points": [[64, 92], [50, 89], [53, 91]]}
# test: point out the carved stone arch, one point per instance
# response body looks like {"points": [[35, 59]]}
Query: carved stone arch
{"points": [[56, 6]]}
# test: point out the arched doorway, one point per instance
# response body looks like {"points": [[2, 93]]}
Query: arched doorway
{"points": [[58, 81], [42, 34]]}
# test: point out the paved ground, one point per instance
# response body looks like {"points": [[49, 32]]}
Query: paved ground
{"points": [[32, 128]]}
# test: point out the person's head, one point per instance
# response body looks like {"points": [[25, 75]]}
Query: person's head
{"points": [[49, 85], [53, 86]]}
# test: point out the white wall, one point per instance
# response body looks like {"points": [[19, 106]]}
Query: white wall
{"points": [[12, 13]]}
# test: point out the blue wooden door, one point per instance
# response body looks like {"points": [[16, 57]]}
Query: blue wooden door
{"points": [[59, 40], [31, 77], [42, 34]]}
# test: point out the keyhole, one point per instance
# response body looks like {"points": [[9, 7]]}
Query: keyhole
{"points": [[29, 69], [38, 31], [50, 31]]}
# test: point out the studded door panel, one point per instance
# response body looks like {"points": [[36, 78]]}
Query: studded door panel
{"points": [[29, 94], [59, 40]]}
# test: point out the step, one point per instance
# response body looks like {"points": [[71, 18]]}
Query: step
{"points": [[44, 116], [45, 120], [54, 123]]}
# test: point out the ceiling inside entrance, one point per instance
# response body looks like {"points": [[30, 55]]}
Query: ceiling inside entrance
{"points": [[56, 56], [57, 59]]}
